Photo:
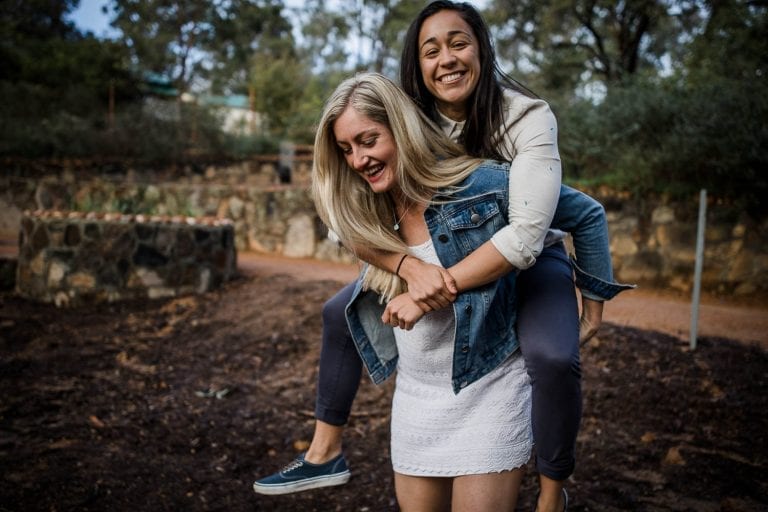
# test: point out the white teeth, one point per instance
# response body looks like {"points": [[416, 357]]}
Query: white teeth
{"points": [[374, 170], [451, 78]]}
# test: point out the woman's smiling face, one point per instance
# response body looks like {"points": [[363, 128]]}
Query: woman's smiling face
{"points": [[449, 61], [368, 147]]}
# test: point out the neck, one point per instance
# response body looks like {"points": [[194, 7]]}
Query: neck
{"points": [[400, 200], [452, 111]]}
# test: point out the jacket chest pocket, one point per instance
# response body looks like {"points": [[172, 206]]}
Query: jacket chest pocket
{"points": [[474, 221]]}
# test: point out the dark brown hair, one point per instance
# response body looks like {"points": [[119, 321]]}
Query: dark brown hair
{"points": [[485, 114]]}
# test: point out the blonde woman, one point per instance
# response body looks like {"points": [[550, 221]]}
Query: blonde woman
{"points": [[385, 178]]}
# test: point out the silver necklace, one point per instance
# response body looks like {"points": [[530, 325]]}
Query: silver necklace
{"points": [[396, 226]]}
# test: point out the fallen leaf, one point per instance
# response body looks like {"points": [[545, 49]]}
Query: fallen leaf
{"points": [[673, 457], [301, 445], [95, 421]]}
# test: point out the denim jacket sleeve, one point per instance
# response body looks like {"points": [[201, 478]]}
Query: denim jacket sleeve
{"points": [[584, 218]]}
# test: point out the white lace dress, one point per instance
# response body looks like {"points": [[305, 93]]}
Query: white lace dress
{"points": [[486, 428]]}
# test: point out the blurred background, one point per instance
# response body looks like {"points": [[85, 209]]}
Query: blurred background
{"points": [[652, 96]]}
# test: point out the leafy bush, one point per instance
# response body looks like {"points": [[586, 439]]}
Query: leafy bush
{"points": [[37, 124], [665, 138]]}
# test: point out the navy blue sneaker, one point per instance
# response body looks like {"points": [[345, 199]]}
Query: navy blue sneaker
{"points": [[301, 475]]}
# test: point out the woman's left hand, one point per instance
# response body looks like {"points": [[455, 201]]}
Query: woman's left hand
{"points": [[402, 312]]}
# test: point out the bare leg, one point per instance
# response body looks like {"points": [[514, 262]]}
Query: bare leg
{"points": [[326, 443], [423, 494], [493, 492], [550, 495]]}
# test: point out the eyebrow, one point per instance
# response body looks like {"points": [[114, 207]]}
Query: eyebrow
{"points": [[451, 33]]}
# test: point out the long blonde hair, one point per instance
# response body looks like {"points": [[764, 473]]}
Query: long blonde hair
{"points": [[427, 161]]}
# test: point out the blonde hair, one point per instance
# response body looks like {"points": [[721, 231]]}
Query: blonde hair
{"points": [[427, 161]]}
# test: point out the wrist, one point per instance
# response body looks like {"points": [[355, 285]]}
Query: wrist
{"points": [[399, 266]]}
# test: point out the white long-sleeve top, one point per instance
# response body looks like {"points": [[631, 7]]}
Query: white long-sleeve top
{"points": [[528, 138]]}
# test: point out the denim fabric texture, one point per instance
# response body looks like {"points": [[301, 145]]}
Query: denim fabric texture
{"points": [[583, 217], [485, 317], [459, 221]]}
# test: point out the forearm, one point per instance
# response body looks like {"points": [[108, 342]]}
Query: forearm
{"points": [[431, 286], [384, 260], [484, 265]]}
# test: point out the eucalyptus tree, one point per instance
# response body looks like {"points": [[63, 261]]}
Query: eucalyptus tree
{"points": [[357, 34], [166, 37], [246, 30], [325, 36], [389, 35], [200, 42], [56, 82], [732, 42], [570, 43]]}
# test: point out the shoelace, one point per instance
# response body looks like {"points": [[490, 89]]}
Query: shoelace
{"points": [[292, 465]]}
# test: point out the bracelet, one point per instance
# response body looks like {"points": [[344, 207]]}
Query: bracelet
{"points": [[397, 270]]}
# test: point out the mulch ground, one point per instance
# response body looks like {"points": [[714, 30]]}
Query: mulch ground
{"points": [[178, 405]]}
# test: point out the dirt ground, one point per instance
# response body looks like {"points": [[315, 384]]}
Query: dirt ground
{"points": [[178, 405]]}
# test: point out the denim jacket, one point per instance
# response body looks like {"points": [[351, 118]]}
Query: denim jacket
{"points": [[584, 218], [485, 317]]}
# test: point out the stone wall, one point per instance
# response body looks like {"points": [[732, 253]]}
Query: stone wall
{"points": [[76, 257], [654, 246], [657, 246]]}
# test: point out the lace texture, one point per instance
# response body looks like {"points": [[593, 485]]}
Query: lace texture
{"points": [[483, 429]]}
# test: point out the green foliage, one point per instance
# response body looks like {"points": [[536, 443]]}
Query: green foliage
{"points": [[165, 37], [244, 146], [654, 97], [668, 138], [244, 29], [197, 41], [601, 40], [278, 84], [306, 112], [732, 43], [324, 36], [702, 126]]}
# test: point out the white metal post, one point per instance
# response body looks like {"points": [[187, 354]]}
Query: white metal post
{"points": [[699, 264]]}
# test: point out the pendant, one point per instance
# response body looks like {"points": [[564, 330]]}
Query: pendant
{"points": [[396, 227]]}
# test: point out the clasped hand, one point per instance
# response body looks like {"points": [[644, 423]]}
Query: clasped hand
{"points": [[402, 312], [430, 287]]}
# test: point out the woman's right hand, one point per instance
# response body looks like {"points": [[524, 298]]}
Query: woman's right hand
{"points": [[429, 285], [402, 312]]}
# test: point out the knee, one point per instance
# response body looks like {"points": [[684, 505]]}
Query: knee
{"points": [[334, 308], [553, 365], [333, 312]]}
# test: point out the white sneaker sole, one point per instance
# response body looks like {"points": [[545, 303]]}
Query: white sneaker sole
{"points": [[302, 485]]}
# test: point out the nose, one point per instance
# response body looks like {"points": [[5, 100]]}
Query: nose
{"points": [[447, 58], [359, 159]]}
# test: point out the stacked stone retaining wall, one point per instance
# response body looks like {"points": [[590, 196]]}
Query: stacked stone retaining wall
{"points": [[74, 257], [654, 246]]}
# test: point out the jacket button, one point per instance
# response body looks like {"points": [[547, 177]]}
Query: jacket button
{"points": [[474, 218], [443, 238], [468, 309], [464, 349]]}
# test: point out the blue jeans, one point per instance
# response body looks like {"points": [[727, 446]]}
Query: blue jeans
{"points": [[548, 331]]}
